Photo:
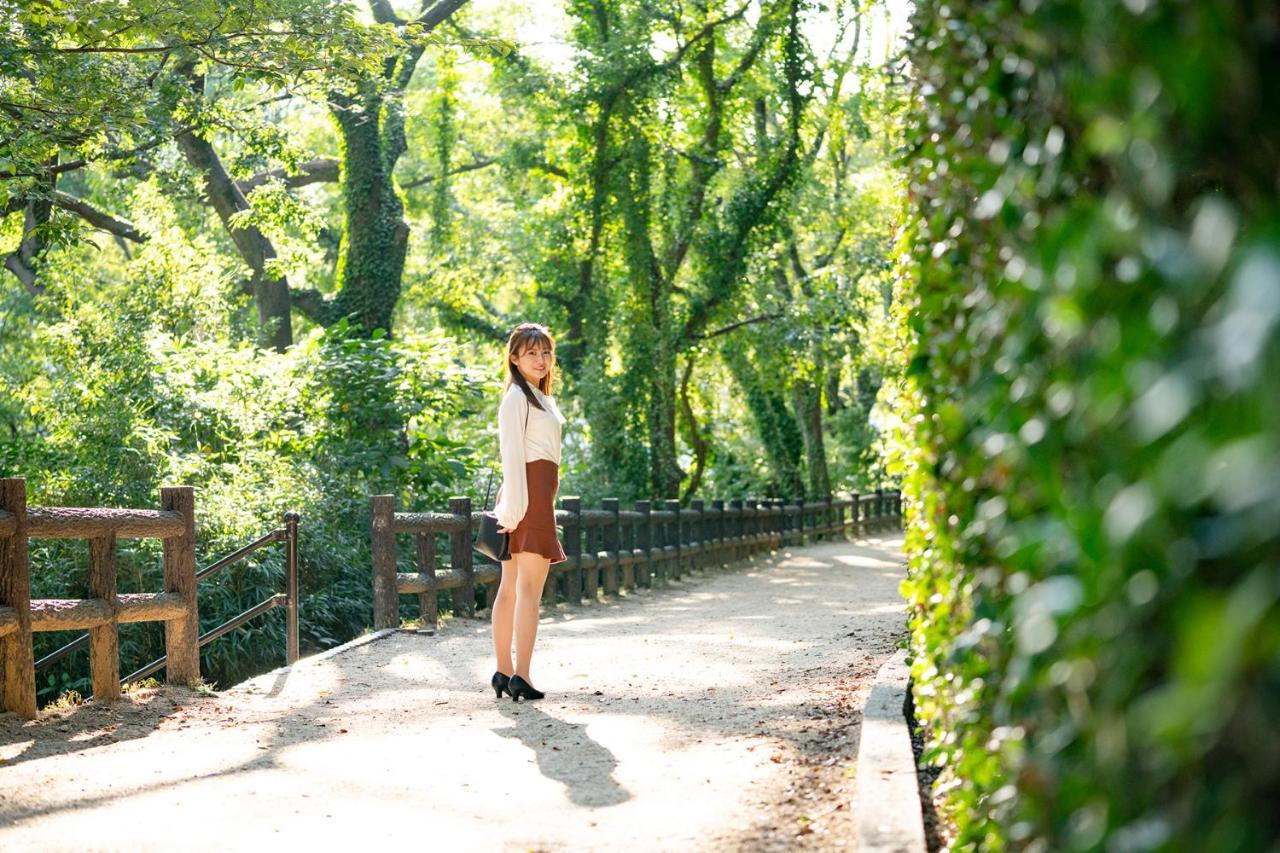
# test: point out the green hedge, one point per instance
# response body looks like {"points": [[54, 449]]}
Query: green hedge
{"points": [[1092, 287]]}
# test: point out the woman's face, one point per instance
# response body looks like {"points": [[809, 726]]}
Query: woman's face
{"points": [[534, 362]]}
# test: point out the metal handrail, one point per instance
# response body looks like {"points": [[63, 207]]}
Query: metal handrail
{"points": [[289, 599], [277, 600]]}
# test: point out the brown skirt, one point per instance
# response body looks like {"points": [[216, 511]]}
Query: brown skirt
{"points": [[536, 532]]}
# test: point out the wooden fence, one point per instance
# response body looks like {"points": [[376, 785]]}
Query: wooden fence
{"points": [[609, 549], [177, 606], [174, 523]]}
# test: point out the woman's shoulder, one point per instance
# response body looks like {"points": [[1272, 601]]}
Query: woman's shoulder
{"points": [[514, 398]]}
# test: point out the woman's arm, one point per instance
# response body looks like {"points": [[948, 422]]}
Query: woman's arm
{"points": [[512, 415]]}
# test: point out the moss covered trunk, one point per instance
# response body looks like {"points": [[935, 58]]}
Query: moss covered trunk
{"points": [[806, 398], [375, 235], [775, 425]]}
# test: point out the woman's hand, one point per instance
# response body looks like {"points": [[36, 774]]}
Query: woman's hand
{"points": [[506, 530]]}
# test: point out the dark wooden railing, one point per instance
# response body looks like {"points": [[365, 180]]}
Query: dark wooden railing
{"points": [[106, 609], [610, 549], [174, 523]]}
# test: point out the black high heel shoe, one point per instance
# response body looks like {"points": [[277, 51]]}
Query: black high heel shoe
{"points": [[500, 683], [521, 689]]}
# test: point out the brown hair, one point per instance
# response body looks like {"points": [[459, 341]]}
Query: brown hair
{"points": [[522, 338]]}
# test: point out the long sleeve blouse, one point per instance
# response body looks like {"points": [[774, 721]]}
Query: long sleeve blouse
{"points": [[525, 433]]}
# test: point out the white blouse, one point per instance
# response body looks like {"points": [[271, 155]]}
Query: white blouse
{"points": [[540, 439]]}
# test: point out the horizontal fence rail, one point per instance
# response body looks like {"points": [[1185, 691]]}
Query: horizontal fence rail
{"points": [[610, 549], [101, 614]]}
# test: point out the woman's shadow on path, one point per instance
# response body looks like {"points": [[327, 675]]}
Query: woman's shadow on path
{"points": [[566, 755]]}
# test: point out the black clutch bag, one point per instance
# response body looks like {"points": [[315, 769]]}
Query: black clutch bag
{"points": [[494, 545]]}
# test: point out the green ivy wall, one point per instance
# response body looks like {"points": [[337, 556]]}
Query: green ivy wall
{"points": [[1091, 306]]}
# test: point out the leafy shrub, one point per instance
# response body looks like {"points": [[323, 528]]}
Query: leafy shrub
{"points": [[1093, 421]]}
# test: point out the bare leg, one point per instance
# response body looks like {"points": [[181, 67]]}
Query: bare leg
{"points": [[502, 616], [530, 576]]}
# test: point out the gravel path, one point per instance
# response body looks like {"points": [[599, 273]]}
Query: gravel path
{"points": [[720, 713]]}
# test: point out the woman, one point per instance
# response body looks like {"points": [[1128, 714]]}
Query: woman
{"points": [[529, 425]]}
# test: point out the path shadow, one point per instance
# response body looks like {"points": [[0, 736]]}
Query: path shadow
{"points": [[566, 754], [87, 726]]}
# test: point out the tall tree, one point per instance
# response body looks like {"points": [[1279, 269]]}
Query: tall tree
{"points": [[368, 110], [103, 82], [659, 223], [371, 121]]}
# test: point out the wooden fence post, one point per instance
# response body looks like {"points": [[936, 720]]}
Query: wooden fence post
{"points": [[644, 542], [573, 549], [386, 594], [548, 588], [182, 635], [591, 550], [698, 534], [797, 523], [291, 651], [104, 640], [675, 537], [718, 528], [460, 559], [428, 604], [855, 523], [660, 543], [611, 540], [762, 524], [737, 527], [766, 524], [17, 658]]}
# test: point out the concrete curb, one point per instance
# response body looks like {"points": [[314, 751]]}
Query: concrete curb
{"points": [[319, 656], [887, 801]]}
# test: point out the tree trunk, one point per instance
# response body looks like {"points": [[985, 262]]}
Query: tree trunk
{"points": [[270, 292], [651, 333], [775, 424], [692, 433], [806, 397], [374, 235]]}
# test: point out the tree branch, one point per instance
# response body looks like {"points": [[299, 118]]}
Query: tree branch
{"points": [[438, 14], [271, 292], [22, 262], [758, 40], [724, 330], [828, 256], [24, 274], [321, 170], [166, 48], [490, 327], [383, 12], [98, 218], [72, 165], [480, 163], [313, 305]]}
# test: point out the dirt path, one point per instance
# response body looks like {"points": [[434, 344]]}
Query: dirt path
{"points": [[718, 714]]}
